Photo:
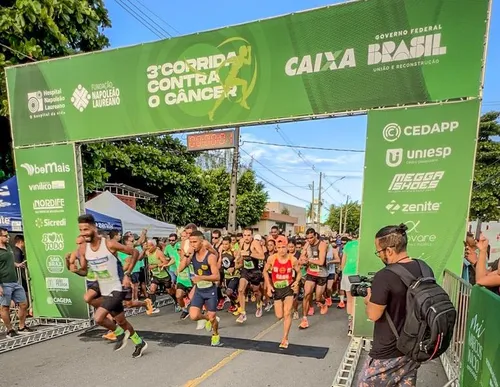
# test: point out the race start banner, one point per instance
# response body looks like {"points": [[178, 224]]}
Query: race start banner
{"points": [[347, 57], [418, 171], [49, 203], [481, 360]]}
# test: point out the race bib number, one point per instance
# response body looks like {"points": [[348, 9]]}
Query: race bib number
{"points": [[183, 275], [313, 267], [204, 284], [248, 265], [281, 284]]}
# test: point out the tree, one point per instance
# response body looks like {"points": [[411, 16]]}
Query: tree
{"points": [[251, 198], [353, 217], [485, 200], [42, 29], [159, 165], [285, 211]]}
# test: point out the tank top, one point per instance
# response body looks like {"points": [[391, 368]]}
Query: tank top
{"points": [[228, 262], [282, 273], [157, 272], [202, 268], [252, 263], [313, 269], [106, 267]]}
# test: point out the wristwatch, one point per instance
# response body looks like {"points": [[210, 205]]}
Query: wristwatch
{"points": [[128, 274]]}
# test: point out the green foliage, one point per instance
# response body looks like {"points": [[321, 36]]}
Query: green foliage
{"points": [[251, 198], [285, 211], [353, 217], [42, 29], [485, 200]]}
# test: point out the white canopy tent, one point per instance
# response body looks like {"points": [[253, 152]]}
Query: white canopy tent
{"points": [[108, 204]]}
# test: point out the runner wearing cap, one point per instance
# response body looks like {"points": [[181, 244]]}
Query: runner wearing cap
{"points": [[281, 284]]}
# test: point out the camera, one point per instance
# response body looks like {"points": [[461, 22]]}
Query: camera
{"points": [[360, 284]]}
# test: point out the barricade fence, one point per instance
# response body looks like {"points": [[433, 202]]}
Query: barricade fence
{"points": [[459, 292]]}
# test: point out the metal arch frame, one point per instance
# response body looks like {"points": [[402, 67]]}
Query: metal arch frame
{"points": [[52, 328], [348, 365]]}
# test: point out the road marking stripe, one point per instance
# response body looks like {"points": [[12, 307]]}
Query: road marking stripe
{"points": [[227, 359]]}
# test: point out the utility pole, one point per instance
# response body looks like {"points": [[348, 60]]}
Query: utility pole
{"points": [[319, 204], [340, 219], [345, 213], [231, 223], [312, 204]]}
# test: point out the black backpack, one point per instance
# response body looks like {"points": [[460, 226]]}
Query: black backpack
{"points": [[430, 315]]}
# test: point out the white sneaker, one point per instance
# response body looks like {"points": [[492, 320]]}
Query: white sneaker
{"points": [[200, 324]]}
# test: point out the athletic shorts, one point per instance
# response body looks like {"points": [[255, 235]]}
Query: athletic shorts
{"points": [[331, 276], [184, 288], [166, 282], [253, 276], [232, 283], [207, 297], [281, 294], [345, 284], [113, 303], [319, 281], [12, 291], [135, 278]]}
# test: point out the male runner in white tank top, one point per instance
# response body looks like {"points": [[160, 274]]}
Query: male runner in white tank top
{"points": [[100, 255]]}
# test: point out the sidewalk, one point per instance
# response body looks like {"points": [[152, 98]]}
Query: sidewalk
{"points": [[429, 375]]}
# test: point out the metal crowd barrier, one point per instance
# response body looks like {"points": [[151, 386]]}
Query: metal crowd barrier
{"points": [[459, 292]]}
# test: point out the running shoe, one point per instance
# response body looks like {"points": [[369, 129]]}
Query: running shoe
{"points": [[139, 349], [11, 334], [109, 336], [215, 342], [310, 312], [156, 310], [323, 309], [177, 308], [258, 312], [200, 324], [295, 315], [241, 318], [269, 306], [184, 315], [304, 324], [284, 344], [232, 309], [121, 341], [341, 305], [329, 302], [220, 304], [149, 306], [26, 330]]}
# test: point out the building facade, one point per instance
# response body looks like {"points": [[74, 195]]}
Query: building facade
{"points": [[290, 219]]}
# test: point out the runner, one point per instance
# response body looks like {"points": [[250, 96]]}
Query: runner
{"points": [[231, 263], [314, 255], [332, 260], [252, 253], [183, 284], [271, 249], [100, 255], [294, 248], [216, 244], [282, 285], [157, 264], [206, 275], [349, 266]]}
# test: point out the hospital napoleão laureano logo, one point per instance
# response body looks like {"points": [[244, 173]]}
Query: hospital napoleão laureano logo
{"points": [[226, 76]]}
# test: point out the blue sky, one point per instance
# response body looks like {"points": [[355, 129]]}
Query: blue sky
{"points": [[345, 133]]}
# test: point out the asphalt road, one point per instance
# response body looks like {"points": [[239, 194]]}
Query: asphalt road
{"points": [[179, 355]]}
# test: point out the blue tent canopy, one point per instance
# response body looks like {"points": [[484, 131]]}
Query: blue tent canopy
{"points": [[10, 211]]}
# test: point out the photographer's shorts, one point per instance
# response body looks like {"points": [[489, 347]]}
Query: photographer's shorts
{"points": [[399, 371], [345, 284]]}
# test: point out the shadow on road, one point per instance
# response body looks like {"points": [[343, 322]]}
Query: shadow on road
{"points": [[173, 339]]}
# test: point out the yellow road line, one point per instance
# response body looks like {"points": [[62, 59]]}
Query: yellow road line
{"points": [[227, 359]]}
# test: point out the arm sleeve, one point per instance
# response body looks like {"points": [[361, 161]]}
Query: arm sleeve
{"points": [[380, 288]]}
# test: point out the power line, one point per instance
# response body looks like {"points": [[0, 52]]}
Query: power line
{"points": [[158, 17], [274, 173], [139, 19], [304, 147], [157, 26], [18, 52], [279, 189]]}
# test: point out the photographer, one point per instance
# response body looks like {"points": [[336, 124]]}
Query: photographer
{"points": [[387, 366]]}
